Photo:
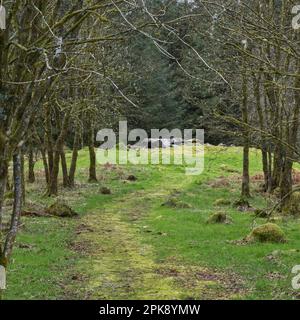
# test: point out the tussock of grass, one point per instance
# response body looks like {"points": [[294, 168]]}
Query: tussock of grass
{"points": [[268, 232], [61, 209], [176, 203], [219, 217]]}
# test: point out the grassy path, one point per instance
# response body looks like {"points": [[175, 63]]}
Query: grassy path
{"points": [[120, 265], [119, 262]]}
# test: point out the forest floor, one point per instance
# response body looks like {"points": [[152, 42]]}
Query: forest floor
{"points": [[149, 238]]}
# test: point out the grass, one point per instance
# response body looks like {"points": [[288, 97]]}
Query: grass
{"points": [[127, 245], [40, 259]]}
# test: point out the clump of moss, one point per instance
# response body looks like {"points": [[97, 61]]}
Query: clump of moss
{"points": [[268, 232], [219, 217], [176, 203], [261, 213], [60, 209], [105, 190], [222, 202]]}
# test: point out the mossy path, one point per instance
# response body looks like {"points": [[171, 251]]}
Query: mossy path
{"points": [[118, 264]]}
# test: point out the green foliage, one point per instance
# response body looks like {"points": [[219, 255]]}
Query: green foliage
{"points": [[157, 87]]}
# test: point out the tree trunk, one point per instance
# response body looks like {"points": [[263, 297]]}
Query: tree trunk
{"points": [[64, 167], [49, 140], [92, 169], [58, 149], [23, 178], [246, 176], [42, 149], [46, 167], [273, 98], [277, 167], [286, 183], [53, 186], [31, 163], [3, 182], [17, 208], [261, 118], [265, 166], [270, 185], [74, 159]]}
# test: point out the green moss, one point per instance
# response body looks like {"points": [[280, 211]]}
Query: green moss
{"points": [[219, 217], [268, 232], [60, 209]]}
